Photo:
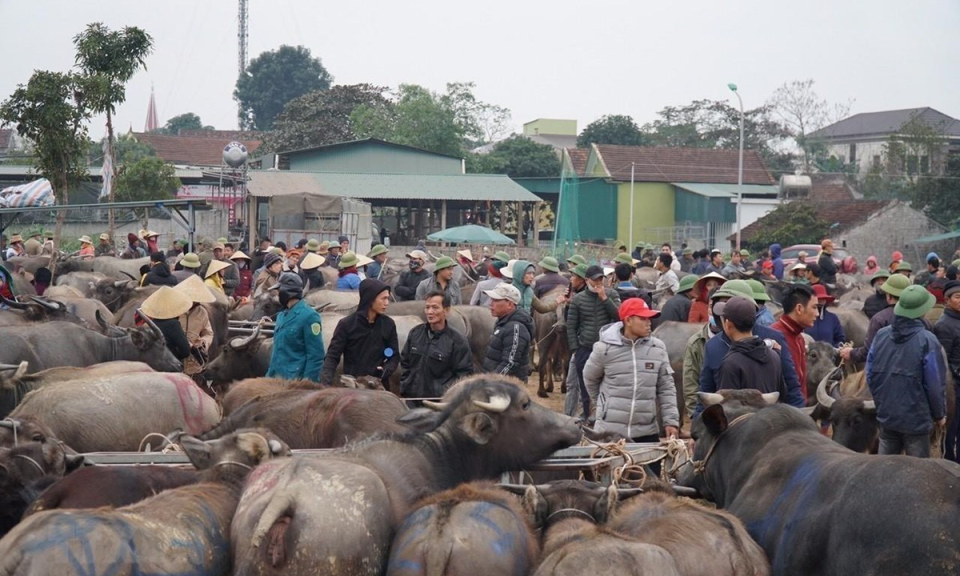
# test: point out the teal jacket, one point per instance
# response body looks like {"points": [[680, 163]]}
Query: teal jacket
{"points": [[297, 344]]}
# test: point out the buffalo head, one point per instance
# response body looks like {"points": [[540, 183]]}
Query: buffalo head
{"points": [[114, 293], [236, 453], [38, 309], [151, 347], [490, 422], [236, 359], [563, 499], [854, 420], [266, 304]]}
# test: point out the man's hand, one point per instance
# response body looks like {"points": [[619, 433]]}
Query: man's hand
{"points": [[845, 353], [672, 432], [942, 423]]}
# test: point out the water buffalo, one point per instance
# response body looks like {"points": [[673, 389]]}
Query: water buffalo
{"points": [[55, 344], [337, 514], [23, 469], [15, 383], [570, 513], [675, 336], [14, 432], [551, 343], [116, 413], [114, 486], [85, 310], [812, 505], [35, 310], [327, 418], [28, 263], [85, 283], [180, 531], [340, 302], [719, 546], [458, 531], [115, 293], [854, 323], [107, 265], [246, 390]]}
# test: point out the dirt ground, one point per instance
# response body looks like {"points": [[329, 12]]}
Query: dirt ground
{"points": [[554, 402]]}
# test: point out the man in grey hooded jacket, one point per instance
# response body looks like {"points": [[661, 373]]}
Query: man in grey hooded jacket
{"points": [[628, 375]]}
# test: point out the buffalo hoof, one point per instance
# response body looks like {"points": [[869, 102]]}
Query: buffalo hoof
{"points": [[542, 394], [550, 387]]}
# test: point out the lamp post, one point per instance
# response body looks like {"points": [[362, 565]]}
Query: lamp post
{"points": [[733, 88]]}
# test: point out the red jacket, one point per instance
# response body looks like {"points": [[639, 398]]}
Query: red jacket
{"points": [[793, 333]]}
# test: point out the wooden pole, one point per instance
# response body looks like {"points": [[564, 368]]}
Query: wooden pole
{"points": [[519, 223], [536, 225], [503, 216]]}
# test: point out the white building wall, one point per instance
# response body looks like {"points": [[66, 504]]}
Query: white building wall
{"points": [[866, 152]]}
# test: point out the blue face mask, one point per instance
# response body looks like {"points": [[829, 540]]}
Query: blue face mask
{"points": [[713, 321]]}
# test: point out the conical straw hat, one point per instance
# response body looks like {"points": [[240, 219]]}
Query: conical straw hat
{"points": [[194, 289], [215, 266], [165, 303]]}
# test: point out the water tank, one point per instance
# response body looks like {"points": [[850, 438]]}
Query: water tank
{"points": [[795, 186], [235, 154]]}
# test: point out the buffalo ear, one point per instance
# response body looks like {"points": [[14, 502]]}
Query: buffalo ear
{"points": [[480, 427], [606, 505], [715, 419], [422, 420], [139, 340], [73, 461], [535, 505], [199, 452]]}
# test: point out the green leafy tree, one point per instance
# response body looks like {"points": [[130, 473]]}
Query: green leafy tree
{"points": [[517, 157], [187, 121], [127, 149], [791, 223], [612, 129], [149, 178], [275, 78], [51, 111], [446, 123], [939, 197], [110, 58], [322, 117]]}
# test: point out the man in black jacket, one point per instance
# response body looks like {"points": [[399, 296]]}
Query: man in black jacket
{"points": [[509, 349], [828, 267], [750, 363], [677, 308], [406, 288], [878, 300], [159, 274], [435, 355], [947, 330], [366, 339]]}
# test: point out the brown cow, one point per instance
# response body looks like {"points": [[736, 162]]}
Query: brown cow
{"points": [[571, 514], [181, 531], [719, 546], [457, 531], [327, 418]]}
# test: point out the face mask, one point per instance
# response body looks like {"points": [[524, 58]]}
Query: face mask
{"points": [[414, 265], [284, 299]]}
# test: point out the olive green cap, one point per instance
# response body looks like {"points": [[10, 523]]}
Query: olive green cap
{"points": [[734, 288], [896, 284], [577, 259], [884, 274], [376, 250], [623, 258], [549, 263], [904, 267], [759, 292], [443, 262], [687, 283], [915, 301], [347, 260], [501, 256], [580, 270]]}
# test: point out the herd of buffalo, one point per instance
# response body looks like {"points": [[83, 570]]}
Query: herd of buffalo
{"points": [[298, 479]]}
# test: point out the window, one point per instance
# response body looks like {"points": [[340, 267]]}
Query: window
{"points": [[853, 153], [876, 160], [924, 164], [912, 162]]}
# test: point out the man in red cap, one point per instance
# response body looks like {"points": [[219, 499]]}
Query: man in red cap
{"points": [[826, 327], [629, 372]]}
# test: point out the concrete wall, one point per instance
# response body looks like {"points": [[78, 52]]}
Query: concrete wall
{"points": [[653, 207], [550, 126], [865, 153], [894, 228]]}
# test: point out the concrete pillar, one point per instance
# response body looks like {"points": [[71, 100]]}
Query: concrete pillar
{"points": [[503, 216], [536, 224]]}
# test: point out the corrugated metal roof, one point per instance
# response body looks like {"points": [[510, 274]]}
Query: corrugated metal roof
{"points": [[92, 171], [888, 122], [937, 237], [726, 190], [494, 187]]}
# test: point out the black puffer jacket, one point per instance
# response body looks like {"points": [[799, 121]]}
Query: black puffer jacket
{"points": [[947, 330], [509, 350], [313, 279], [750, 363], [828, 268], [406, 288], [433, 361], [361, 344], [160, 275], [875, 303]]}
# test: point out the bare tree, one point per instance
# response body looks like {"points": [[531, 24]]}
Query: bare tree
{"points": [[804, 112]]}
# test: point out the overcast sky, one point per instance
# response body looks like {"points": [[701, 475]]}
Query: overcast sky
{"points": [[538, 58]]}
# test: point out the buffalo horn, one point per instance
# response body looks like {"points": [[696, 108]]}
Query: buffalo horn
{"points": [[14, 304], [685, 491], [823, 398], [8, 367], [241, 343], [497, 403], [10, 424], [438, 406], [120, 283], [771, 398], [870, 406], [623, 493], [153, 327], [55, 306], [128, 275], [519, 489], [710, 398]]}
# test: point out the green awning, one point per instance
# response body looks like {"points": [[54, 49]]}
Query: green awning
{"points": [[937, 237]]}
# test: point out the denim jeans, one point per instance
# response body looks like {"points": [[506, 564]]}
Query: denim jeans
{"points": [[572, 400], [580, 360], [892, 442]]}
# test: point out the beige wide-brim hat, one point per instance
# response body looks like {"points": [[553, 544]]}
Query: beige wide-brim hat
{"points": [[15, 238], [312, 261], [238, 255], [215, 266], [150, 234], [105, 236], [194, 289], [166, 303], [85, 239], [507, 271]]}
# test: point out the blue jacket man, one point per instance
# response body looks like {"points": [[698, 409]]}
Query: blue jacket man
{"points": [[905, 373], [717, 348], [775, 250], [298, 336]]}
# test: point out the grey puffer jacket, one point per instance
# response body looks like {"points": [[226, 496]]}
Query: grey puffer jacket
{"points": [[631, 379]]}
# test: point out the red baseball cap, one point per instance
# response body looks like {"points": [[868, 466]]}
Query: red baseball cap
{"points": [[768, 264], [636, 307]]}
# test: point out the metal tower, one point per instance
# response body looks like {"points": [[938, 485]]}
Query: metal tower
{"points": [[242, 37]]}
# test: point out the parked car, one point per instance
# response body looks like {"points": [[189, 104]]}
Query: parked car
{"points": [[790, 254]]}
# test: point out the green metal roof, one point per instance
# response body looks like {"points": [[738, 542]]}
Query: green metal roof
{"points": [[937, 237], [727, 190], [494, 187]]}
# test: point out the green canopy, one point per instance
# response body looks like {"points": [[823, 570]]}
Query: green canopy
{"points": [[470, 234]]}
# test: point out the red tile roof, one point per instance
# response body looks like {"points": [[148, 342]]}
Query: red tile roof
{"points": [[578, 157], [221, 134], [704, 165], [192, 151]]}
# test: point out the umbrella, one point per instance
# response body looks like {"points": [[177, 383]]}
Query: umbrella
{"points": [[470, 234]]}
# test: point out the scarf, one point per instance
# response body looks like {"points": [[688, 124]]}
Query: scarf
{"points": [[344, 271]]}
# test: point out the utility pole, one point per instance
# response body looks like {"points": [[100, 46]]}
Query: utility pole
{"points": [[242, 37]]}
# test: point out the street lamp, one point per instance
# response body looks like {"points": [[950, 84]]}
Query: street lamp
{"points": [[733, 88]]}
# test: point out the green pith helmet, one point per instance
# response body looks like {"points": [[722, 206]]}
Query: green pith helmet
{"points": [[687, 283], [313, 245], [577, 259], [759, 292], [442, 263], [884, 274], [735, 288], [375, 251], [896, 284], [904, 267], [744, 253], [501, 256], [549, 263], [623, 258], [580, 270], [347, 260], [915, 301]]}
